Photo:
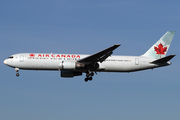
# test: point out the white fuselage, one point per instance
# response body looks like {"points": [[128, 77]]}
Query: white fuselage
{"points": [[41, 61], [72, 65]]}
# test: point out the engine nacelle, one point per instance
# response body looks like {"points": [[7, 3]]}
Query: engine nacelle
{"points": [[70, 65], [70, 73]]}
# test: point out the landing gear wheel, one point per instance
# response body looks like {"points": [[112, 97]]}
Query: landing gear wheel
{"points": [[92, 74], [17, 74], [89, 76], [86, 79]]}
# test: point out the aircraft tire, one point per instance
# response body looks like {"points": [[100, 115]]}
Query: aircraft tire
{"points": [[86, 79], [17, 74], [92, 74]]}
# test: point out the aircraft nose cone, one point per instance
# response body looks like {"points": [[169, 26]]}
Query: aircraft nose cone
{"points": [[5, 62]]}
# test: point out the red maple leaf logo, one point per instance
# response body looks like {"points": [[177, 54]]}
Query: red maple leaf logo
{"points": [[31, 55], [160, 49]]}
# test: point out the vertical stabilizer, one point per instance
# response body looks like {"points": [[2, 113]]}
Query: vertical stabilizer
{"points": [[160, 48]]}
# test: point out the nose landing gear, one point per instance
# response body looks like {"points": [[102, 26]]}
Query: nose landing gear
{"points": [[89, 76], [17, 72]]}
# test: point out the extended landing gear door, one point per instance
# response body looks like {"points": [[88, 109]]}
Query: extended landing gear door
{"points": [[21, 58]]}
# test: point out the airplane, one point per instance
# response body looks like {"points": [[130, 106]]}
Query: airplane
{"points": [[71, 65]]}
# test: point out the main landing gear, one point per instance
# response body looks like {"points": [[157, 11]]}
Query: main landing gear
{"points": [[89, 76], [17, 72]]}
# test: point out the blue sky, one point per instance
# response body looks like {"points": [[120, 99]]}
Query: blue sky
{"points": [[86, 27]]}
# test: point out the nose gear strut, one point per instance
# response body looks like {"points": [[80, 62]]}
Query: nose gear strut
{"points": [[17, 72]]}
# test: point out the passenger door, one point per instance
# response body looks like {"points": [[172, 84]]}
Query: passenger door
{"points": [[136, 61], [21, 58]]}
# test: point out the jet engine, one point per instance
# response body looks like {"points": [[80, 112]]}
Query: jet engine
{"points": [[70, 65], [70, 73]]}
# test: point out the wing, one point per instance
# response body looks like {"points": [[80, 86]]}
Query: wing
{"points": [[100, 56]]}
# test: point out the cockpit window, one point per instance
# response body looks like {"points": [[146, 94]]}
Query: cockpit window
{"points": [[11, 57]]}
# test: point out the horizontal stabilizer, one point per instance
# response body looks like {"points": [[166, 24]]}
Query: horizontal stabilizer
{"points": [[164, 60]]}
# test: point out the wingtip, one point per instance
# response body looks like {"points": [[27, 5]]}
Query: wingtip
{"points": [[173, 55], [117, 45]]}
